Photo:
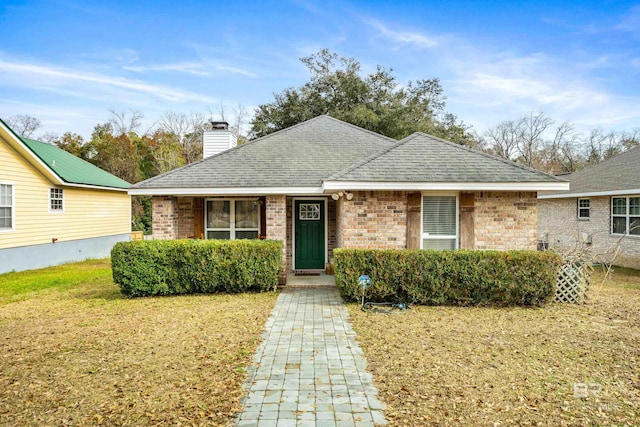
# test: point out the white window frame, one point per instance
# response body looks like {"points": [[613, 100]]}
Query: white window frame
{"points": [[627, 215], [313, 217], [232, 218], [424, 236], [12, 206], [584, 208], [51, 199]]}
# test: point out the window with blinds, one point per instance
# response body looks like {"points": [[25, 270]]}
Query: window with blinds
{"points": [[439, 222], [6, 207]]}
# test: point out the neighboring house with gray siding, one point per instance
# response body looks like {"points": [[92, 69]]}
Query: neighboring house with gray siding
{"points": [[324, 184], [602, 209]]}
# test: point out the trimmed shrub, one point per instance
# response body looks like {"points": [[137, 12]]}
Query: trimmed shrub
{"points": [[459, 277], [170, 267]]}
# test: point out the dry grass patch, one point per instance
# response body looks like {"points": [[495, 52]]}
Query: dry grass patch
{"points": [[83, 355], [510, 366]]}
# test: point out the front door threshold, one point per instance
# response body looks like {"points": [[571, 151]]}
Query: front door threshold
{"points": [[309, 272], [319, 279]]}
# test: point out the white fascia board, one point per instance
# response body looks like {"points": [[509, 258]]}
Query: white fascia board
{"points": [[590, 194], [30, 156], [453, 186], [245, 191], [93, 187]]}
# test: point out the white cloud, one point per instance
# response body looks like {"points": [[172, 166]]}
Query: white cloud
{"points": [[235, 70], [183, 67], [490, 88], [401, 37], [203, 69], [485, 83], [48, 78]]}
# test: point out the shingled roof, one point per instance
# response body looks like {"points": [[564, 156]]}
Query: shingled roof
{"points": [[425, 158], [615, 176], [300, 156], [324, 153]]}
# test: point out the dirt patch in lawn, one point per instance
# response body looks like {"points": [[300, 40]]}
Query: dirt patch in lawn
{"points": [[87, 356], [563, 365]]}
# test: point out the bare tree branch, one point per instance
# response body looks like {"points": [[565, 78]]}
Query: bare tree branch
{"points": [[24, 125], [124, 123]]}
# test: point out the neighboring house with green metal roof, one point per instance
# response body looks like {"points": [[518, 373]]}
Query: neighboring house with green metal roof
{"points": [[55, 207], [325, 183], [602, 210]]}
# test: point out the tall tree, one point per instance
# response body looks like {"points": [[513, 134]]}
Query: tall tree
{"points": [[563, 153], [630, 139], [74, 144], [375, 101], [240, 116], [123, 123], [23, 124], [187, 131], [532, 141], [164, 151], [601, 145]]}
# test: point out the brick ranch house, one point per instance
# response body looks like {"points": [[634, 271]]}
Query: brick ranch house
{"points": [[325, 184], [602, 210]]}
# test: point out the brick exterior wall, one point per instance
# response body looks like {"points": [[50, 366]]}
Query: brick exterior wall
{"points": [[558, 218], [289, 234], [164, 217], [185, 217], [378, 219], [505, 220], [372, 219], [172, 217], [331, 232], [276, 216]]}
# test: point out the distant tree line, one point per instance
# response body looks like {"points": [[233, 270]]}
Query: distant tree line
{"points": [[119, 147], [336, 87], [539, 142]]}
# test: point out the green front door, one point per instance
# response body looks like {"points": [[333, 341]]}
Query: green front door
{"points": [[309, 235]]}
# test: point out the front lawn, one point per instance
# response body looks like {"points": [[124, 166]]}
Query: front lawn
{"points": [[450, 366], [73, 351]]}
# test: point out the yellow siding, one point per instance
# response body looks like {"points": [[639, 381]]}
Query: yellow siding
{"points": [[87, 212]]}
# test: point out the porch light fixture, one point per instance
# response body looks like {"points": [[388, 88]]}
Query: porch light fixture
{"points": [[336, 196]]}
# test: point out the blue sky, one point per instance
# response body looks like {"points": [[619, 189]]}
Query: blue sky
{"points": [[68, 62]]}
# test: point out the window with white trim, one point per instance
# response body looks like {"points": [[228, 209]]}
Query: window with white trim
{"points": [[7, 208], [310, 211], [56, 200], [439, 222], [625, 215], [584, 208], [230, 219]]}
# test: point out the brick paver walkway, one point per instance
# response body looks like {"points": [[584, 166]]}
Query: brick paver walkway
{"points": [[309, 370]]}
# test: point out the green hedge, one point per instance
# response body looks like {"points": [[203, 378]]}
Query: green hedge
{"points": [[169, 267], [448, 277]]}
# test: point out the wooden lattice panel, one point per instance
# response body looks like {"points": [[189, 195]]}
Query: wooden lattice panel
{"points": [[573, 282]]}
